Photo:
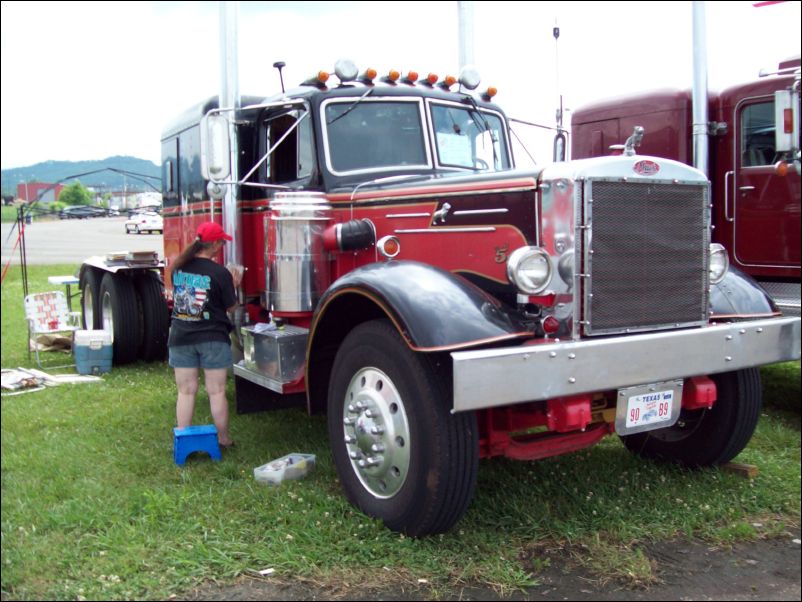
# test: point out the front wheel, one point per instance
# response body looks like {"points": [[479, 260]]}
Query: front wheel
{"points": [[708, 437], [400, 454]]}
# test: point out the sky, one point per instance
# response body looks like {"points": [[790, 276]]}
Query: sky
{"points": [[83, 81]]}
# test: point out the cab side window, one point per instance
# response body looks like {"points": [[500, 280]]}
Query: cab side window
{"points": [[294, 158], [757, 135]]}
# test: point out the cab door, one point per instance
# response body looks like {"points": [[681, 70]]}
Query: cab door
{"points": [[766, 206]]}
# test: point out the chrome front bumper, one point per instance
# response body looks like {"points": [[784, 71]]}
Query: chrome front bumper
{"points": [[489, 378]]}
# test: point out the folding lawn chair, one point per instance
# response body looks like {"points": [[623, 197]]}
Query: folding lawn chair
{"points": [[48, 313]]}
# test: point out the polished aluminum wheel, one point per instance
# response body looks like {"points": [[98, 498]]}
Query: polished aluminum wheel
{"points": [[106, 314], [376, 432], [88, 307]]}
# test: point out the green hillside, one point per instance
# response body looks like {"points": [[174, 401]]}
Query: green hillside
{"points": [[112, 173]]}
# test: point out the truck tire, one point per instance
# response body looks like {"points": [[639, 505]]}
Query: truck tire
{"points": [[708, 437], [119, 313], [90, 299], [400, 454], [155, 319]]}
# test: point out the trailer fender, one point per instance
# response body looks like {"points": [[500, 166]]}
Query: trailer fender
{"points": [[432, 309], [738, 295]]}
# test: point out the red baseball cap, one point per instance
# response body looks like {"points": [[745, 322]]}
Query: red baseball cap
{"points": [[211, 232]]}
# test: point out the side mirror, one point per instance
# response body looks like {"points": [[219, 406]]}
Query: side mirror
{"points": [[215, 148], [560, 142], [786, 120]]}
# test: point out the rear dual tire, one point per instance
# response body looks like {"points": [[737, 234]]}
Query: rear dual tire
{"points": [[132, 308]]}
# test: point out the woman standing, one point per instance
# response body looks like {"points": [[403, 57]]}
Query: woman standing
{"points": [[203, 293]]}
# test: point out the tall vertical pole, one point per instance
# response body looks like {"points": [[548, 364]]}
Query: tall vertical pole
{"points": [[699, 93], [230, 98], [465, 17]]}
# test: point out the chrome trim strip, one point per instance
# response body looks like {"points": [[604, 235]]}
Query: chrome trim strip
{"points": [[480, 211], [482, 378], [397, 215], [442, 230]]}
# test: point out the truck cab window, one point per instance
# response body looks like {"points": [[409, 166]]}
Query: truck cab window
{"points": [[469, 139], [374, 135], [294, 158], [757, 135]]}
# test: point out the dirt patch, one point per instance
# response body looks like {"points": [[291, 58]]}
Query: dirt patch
{"points": [[683, 570]]}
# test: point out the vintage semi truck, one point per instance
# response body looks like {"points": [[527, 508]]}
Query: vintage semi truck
{"points": [[753, 159], [442, 306]]}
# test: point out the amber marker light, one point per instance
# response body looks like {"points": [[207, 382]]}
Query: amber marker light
{"points": [[781, 168], [432, 79], [489, 93], [393, 76], [368, 75], [319, 79], [389, 246], [448, 81], [411, 78]]}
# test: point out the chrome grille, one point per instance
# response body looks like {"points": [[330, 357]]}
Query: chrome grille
{"points": [[645, 256]]}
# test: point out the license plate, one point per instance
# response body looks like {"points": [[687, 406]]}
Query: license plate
{"points": [[648, 407]]}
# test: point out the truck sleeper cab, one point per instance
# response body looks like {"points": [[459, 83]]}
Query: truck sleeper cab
{"points": [[440, 305]]}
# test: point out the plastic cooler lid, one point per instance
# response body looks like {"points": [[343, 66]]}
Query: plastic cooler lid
{"points": [[85, 337]]}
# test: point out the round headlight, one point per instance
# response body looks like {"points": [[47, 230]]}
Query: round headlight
{"points": [[719, 263], [529, 268]]}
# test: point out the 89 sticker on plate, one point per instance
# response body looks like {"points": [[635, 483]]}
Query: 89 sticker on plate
{"points": [[648, 407]]}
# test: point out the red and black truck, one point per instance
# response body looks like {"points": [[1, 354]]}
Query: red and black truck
{"points": [[440, 305], [753, 161]]}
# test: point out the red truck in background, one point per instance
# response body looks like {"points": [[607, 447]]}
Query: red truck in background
{"points": [[754, 184], [440, 305]]}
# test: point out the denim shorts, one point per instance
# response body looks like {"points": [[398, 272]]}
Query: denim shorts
{"points": [[211, 355]]}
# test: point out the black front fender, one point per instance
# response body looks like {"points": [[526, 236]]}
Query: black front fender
{"points": [[433, 309], [738, 295]]}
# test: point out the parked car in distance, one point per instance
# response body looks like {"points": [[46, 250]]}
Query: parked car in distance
{"points": [[148, 209], [148, 221], [82, 212]]}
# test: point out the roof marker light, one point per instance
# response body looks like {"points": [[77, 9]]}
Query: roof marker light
{"points": [[392, 76], [447, 82], [411, 77], [319, 80], [430, 80], [489, 93], [345, 70], [368, 75]]}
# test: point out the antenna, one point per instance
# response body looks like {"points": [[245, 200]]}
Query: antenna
{"points": [[556, 33], [280, 65]]}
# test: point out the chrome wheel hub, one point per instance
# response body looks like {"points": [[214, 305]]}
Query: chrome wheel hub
{"points": [[106, 316], [89, 310], [376, 432]]}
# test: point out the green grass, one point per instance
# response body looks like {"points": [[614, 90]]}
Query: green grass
{"points": [[94, 507], [8, 213]]}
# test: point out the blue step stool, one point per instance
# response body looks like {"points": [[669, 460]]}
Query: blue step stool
{"points": [[194, 439]]}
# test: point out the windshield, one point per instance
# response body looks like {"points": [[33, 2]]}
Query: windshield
{"points": [[469, 138], [374, 135]]}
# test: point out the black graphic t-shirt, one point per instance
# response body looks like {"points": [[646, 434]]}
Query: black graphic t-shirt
{"points": [[202, 291]]}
